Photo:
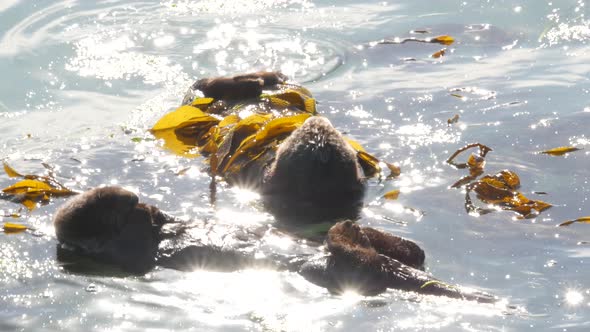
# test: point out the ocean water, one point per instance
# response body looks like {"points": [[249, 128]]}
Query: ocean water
{"points": [[83, 81]]}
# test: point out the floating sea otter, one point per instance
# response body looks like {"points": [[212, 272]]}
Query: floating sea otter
{"points": [[259, 131], [110, 225]]}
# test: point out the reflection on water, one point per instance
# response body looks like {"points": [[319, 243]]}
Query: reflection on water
{"points": [[85, 80]]}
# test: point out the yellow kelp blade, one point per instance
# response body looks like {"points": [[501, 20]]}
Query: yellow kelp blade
{"points": [[37, 187], [506, 199], [14, 228], [288, 98], [251, 124], [296, 99], [295, 87], [182, 117], [26, 186], [202, 102], [30, 192], [445, 40], [244, 128], [560, 151], [11, 172], [178, 144], [504, 179], [392, 195], [436, 282], [229, 120], [580, 220], [439, 54], [310, 106], [266, 136], [30, 202], [279, 126], [369, 164], [395, 171], [354, 144]]}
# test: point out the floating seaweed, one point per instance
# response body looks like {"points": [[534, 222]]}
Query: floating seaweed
{"points": [[498, 190], [233, 137], [560, 151], [34, 189]]}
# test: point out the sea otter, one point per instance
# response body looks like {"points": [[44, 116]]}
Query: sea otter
{"points": [[371, 261], [110, 225], [305, 171], [236, 88], [315, 176]]}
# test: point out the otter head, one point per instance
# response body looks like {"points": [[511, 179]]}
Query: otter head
{"points": [[110, 224], [315, 176], [348, 233]]}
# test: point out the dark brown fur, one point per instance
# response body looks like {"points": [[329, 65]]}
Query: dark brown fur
{"points": [[363, 245], [368, 261], [315, 176], [240, 87], [111, 225]]}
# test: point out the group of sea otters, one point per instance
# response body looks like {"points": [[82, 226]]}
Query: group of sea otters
{"points": [[313, 175]]}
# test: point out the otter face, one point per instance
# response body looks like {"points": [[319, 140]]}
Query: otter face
{"points": [[348, 233], [109, 224], [315, 174]]}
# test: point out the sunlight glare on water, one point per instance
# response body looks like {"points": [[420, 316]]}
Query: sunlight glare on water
{"points": [[85, 81], [573, 297]]}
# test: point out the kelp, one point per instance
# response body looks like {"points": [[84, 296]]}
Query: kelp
{"points": [[394, 170], [392, 195], [443, 40], [498, 190], [33, 189], [560, 151], [370, 164], [11, 228], [475, 163], [292, 98], [453, 120], [232, 137], [254, 146], [579, 220], [182, 129], [439, 54]]}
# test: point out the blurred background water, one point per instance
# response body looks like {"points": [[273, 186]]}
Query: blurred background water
{"points": [[83, 81]]}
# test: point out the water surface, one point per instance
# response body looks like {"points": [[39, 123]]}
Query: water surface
{"points": [[84, 80]]}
